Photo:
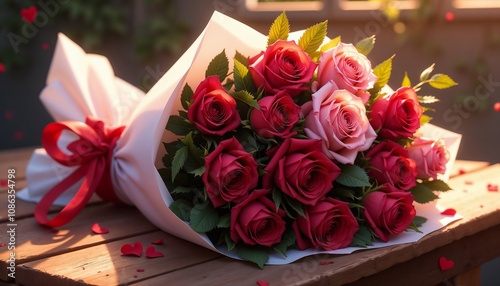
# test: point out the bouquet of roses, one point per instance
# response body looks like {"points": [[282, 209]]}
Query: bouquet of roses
{"points": [[302, 145]]}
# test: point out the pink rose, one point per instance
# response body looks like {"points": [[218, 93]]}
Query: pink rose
{"points": [[390, 166], [283, 66], [430, 156], [339, 119], [256, 221], [388, 213], [328, 225], [213, 110], [349, 69], [300, 170], [230, 173], [396, 116], [276, 117]]}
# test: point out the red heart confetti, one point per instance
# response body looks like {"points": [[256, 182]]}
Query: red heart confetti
{"points": [[2, 68], [3, 183], [262, 283], [157, 242], [29, 14], [461, 171], [2, 244], [152, 253], [449, 16], [98, 229], [449, 212], [492, 188], [497, 106], [135, 276], [326, 262], [45, 46], [135, 250], [445, 263], [140, 270]]}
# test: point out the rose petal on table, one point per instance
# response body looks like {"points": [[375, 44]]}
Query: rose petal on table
{"points": [[29, 14], [158, 241], [492, 188], [449, 212], [2, 244], [326, 262], [98, 229], [133, 250], [140, 269], [445, 263], [152, 253], [461, 171], [262, 283], [3, 183]]}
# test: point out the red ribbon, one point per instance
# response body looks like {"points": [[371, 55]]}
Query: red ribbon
{"points": [[92, 152]]}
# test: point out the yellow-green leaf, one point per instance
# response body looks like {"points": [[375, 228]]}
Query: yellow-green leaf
{"points": [[365, 46], [406, 80], [425, 74], [279, 30], [441, 81], [313, 37], [383, 73], [330, 45]]}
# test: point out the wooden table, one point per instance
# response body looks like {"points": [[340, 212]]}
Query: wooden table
{"points": [[73, 255]]}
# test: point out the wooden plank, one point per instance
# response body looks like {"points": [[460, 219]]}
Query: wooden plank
{"points": [[463, 167], [14, 159], [105, 265], [34, 241], [480, 208]]}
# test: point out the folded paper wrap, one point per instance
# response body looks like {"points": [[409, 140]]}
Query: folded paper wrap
{"points": [[81, 85]]}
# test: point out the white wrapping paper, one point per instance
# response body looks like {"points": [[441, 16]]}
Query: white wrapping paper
{"points": [[79, 84]]}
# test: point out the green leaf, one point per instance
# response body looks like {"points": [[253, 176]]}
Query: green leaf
{"points": [[363, 237], [241, 58], [313, 37], [441, 81], [366, 45], [414, 227], [181, 208], [295, 205], [224, 221], [179, 160], [186, 95], [204, 217], [178, 125], [181, 190], [383, 73], [280, 28], [242, 78], [353, 176], [406, 80], [330, 45], [253, 254], [418, 221], [425, 74], [229, 242], [437, 185], [423, 194], [287, 240], [277, 198], [219, 66], [425, 119], [198, 171], [246, 97]]}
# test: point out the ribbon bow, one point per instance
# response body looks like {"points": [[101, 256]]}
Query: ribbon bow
{"points": [[92, 152]]}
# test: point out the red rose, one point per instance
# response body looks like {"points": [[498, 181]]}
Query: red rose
{"points": [[300, 170], [213, 110], [276, 117], [230, 173], [283, 66], [396, 116], [389, 213], [430, 157], [256, 221], [328, 225], [391, 166]]}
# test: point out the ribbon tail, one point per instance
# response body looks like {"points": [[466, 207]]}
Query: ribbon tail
{"points": [[74, 207]]}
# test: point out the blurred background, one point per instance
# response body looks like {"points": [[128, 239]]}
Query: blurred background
{"points": [[143, 38]]}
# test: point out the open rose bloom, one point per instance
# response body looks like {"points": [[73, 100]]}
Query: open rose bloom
{"points": [[82, 87]]}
